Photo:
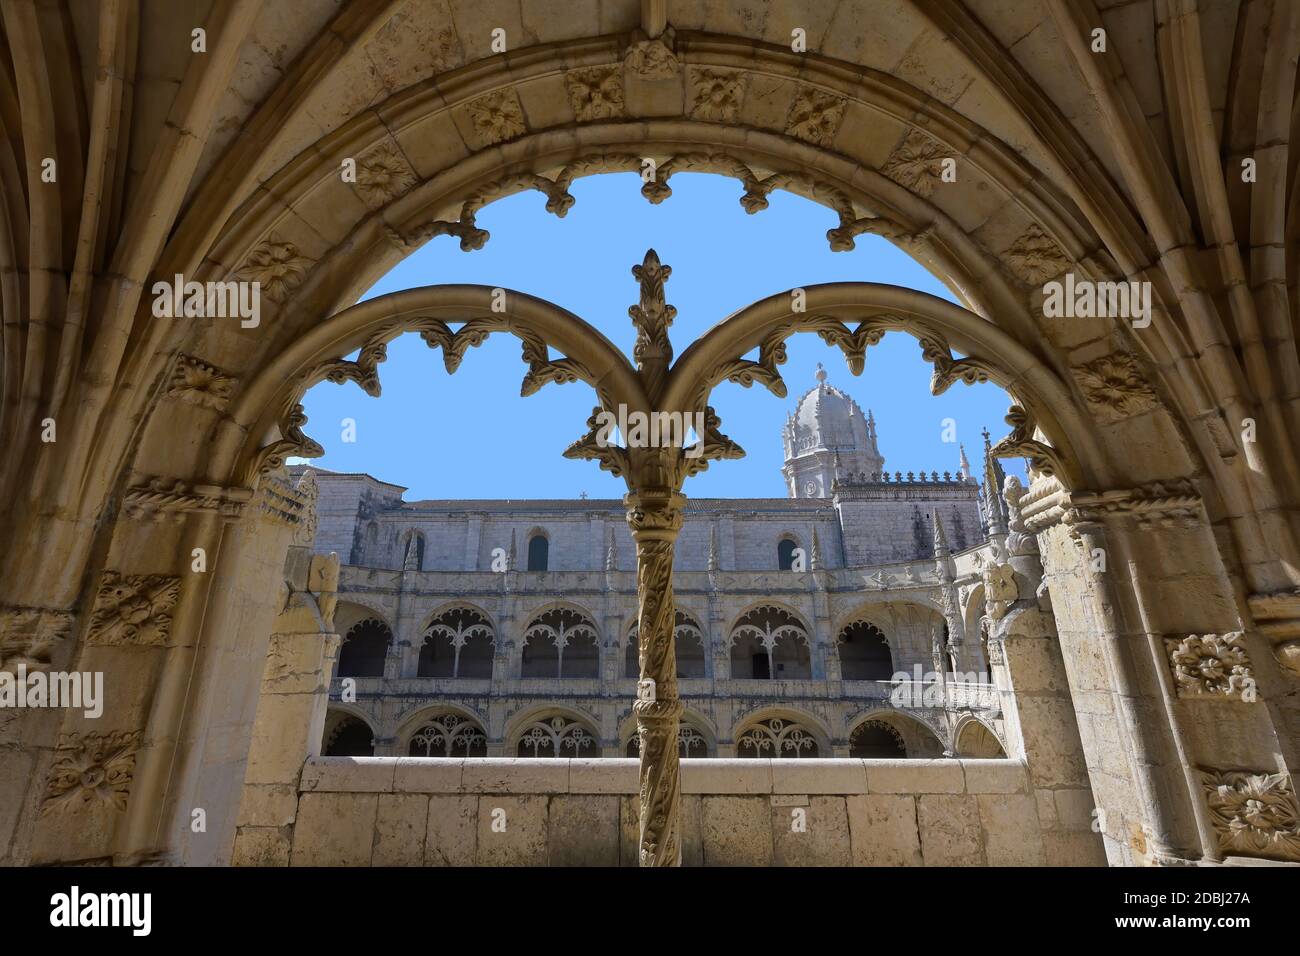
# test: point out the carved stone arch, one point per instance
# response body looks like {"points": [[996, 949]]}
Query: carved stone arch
{"points": [[866, 651], [920, 738], [973, 737], [770, 641], [339, 737], [459, 639], [553, 630], [767, 732], [465, 730], [570, 731], [692, 721], [477, 607], [352, 608]]}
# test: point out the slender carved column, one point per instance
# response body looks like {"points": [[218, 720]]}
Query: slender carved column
{"points": [[655, 517]]}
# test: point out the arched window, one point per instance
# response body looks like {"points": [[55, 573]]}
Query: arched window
{"points": [[690, 743], [689, 641], [458, 643], [347, 736], [770, 643], [558, 737], [364, 648], [539, 552], [561, 643], [785, 550], [776, 737], [864, 653], [876, 739], [449, 735]]}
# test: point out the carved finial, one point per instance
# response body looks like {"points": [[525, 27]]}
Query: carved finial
{"points": [[964, 463], [815, 558], [713, 548], [995, 515], [652, 317], [821, 373], [611, 553], [940, 539], [510, 555]]}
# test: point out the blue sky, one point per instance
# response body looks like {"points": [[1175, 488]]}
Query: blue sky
{"points": [[471, 436]]}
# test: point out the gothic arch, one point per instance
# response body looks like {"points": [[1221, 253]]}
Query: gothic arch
{"points": [[692, 720], [972, 737], [576, 726], [770, 640], [919, 739], [781, 732], [462, 728], [462, 627], [340, 732]]}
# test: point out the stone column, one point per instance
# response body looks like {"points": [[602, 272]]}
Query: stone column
{"points": [[290, 711], [1039, 713], [655, 517]]}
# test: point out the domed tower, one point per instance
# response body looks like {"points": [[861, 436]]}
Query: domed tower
{"points": [[827, 437]]}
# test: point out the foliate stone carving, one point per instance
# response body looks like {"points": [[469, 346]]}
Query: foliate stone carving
{"points": [[383, 174], [916, 163], [1211, 665], [1254, 813], [309, 491], [815, 116], [200, 383], [1021, 443], [160, 498], [91, 769], [1035, 256], [716, 95], [652, 59], [1114, 387], [133, 609], [595, 93], [277, 267], [1158, 504], [496, 117], [28, 636]]}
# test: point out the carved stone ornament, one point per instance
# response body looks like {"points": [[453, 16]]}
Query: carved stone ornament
{"points": [[496, 117], [815, 116], [716, 95], [133, 609], [277, 267], [1254, 813], [595, 93], [652, 59], [200, 383], [160, 498], [1114, 387], [1035, 257], [917, 162], [383, 174], [93, 769], [1211, 665]]}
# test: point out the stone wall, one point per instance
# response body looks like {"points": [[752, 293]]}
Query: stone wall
{"points": [[420, 812]]}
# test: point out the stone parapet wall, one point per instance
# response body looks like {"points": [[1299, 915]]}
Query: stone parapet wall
{"points": [[562, 812]]}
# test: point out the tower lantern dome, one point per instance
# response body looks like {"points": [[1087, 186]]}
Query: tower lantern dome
{"points": [[827, 437]]}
